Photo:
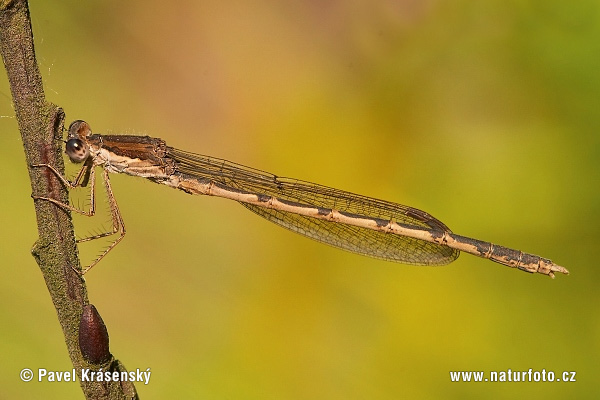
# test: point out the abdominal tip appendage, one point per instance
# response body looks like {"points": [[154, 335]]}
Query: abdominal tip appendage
{"points": [[557, 268], [547, 267]]}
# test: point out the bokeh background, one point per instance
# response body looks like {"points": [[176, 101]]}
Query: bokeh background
{"points": [[482, 113]]}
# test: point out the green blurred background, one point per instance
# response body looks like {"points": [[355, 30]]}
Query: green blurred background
{"points": [[482, 113]]}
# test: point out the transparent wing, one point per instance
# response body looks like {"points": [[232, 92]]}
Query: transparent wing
{"points": [[387, 246]]}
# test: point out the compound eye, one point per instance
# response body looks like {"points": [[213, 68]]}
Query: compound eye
{"points": [[77, 150]]}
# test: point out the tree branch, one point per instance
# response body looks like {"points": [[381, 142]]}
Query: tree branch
{"points": [[41, 123]]}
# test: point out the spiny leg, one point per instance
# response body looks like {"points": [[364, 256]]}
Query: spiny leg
{"points": [[72, 185], [117, 221]]}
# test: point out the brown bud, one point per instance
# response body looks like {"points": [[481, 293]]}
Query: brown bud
{"points": [[93, 336]]}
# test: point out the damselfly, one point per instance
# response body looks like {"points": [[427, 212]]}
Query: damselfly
{"points": [[352, 222]]}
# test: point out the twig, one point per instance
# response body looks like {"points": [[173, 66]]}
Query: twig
{"points": [[55, 251]]}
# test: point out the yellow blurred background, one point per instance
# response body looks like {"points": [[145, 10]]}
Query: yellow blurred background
{"points": [[482, 113]]}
